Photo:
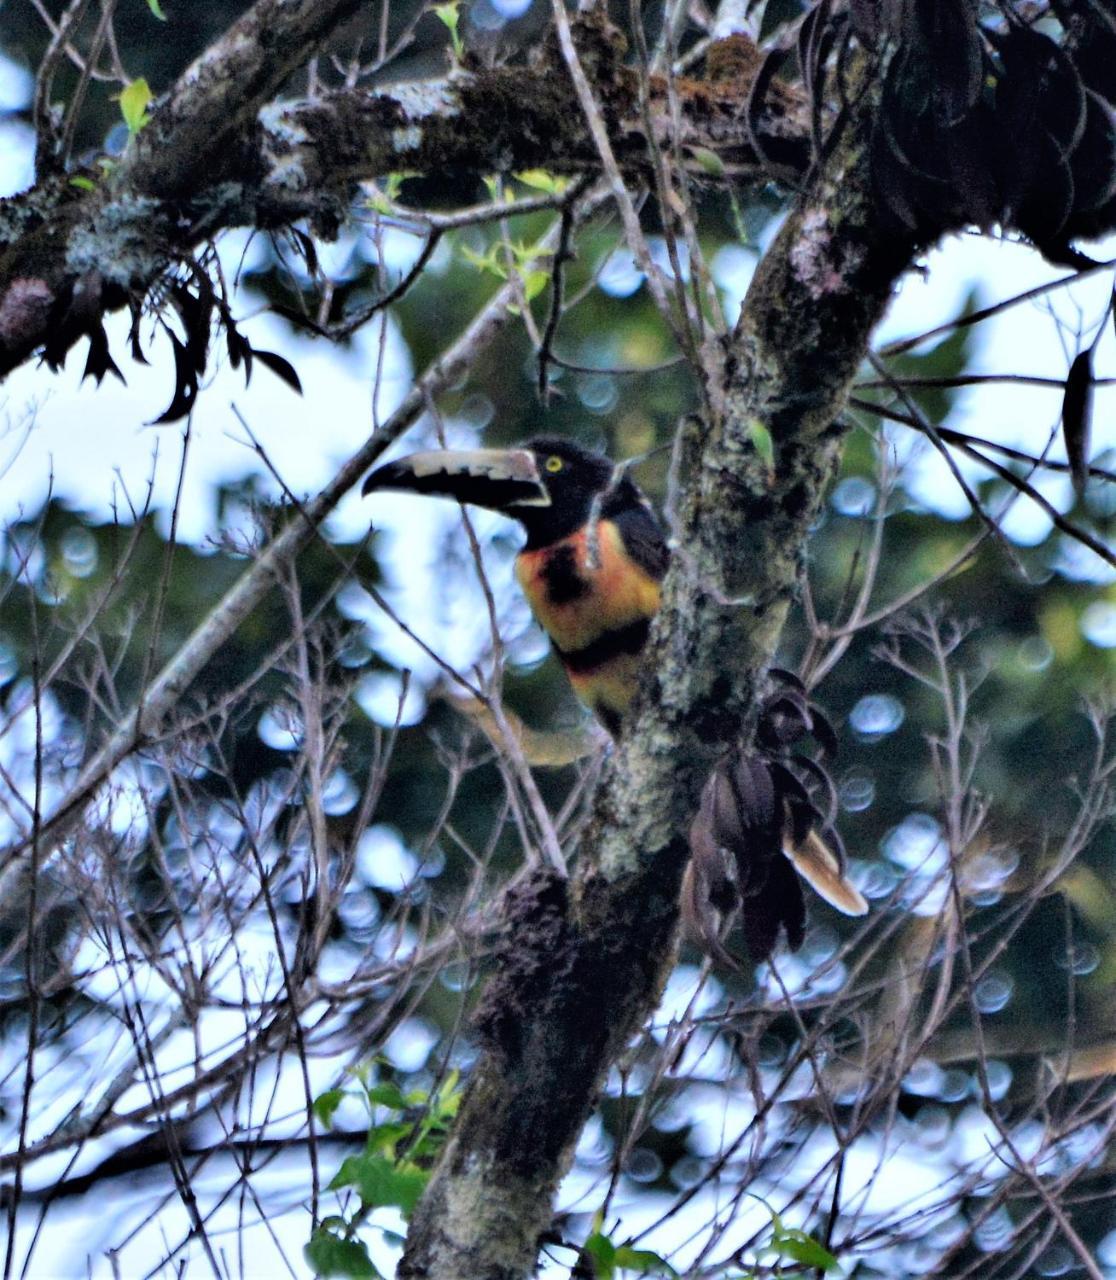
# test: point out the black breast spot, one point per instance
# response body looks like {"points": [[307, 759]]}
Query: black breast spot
{"points": [[563, 582]]}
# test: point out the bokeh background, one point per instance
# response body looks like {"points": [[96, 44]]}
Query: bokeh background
{"points": [[143, 527]]}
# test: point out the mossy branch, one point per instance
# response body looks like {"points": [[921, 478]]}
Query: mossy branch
{"points": [[583, 964]]}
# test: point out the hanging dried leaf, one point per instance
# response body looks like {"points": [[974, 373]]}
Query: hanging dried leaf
{"points": [[808, 36], [239, 349], [779, 905], [757, 811], [195, 310], [307, 250], [1047, 205], [1093, 165], [1091, 25], [185, 384], [816, 37], [134, 341], [76, 313], [279, 366], [1040, 84], [938, 70], [757, 97], [1077, 412], [99, 362]]}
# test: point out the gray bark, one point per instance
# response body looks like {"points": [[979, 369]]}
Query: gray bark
{"points": [[584, 963]]}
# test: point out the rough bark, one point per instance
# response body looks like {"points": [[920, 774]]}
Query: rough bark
{"points": [[219, 152], [584, 963]]}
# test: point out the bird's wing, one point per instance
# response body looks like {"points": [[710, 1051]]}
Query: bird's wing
{"points": [[643, 539]]}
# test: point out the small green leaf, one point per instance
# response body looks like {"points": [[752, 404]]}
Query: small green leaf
{"points": [[330, 1255], [81, 181], [765, 447], [381, 1181], [800, 1247], [383, 1137], [708, 161], [644, 1261], [603, 1253], [157, 9], [542, 180], [362, 1072], [447, 14], [387, 1094], [447, 1101], [487, 261], [326, 1104], [382, 198], [534, 282], [133, 105], [525, 254]]}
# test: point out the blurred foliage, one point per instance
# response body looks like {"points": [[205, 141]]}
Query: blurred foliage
{"points": [[1029, 664], [1026, 658], [391, 1171]]}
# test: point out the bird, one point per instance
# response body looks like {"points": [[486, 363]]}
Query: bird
{"points": [[592, 568]]}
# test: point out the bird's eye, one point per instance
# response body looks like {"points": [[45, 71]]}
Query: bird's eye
{"points": [[553, 463]]}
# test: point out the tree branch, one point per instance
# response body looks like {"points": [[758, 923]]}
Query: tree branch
{"points": [[219, 153], [584, 965], [162, 697]]}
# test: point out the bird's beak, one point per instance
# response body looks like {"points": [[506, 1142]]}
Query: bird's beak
{"points": [[500, 479]]}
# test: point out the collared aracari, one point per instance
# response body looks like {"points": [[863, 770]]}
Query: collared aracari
{"points": [[591, 569]]}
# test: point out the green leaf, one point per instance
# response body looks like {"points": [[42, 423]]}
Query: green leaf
{"points": [[448, 1096], [485, 261], [800, 1247], [330, 1255], [384, 1137], [157, 9], [603, 1253], [387, 1094], [644, 1261], [765, 447], [381, 1182], [362, 1072], [133, 105], [534, 282], [447, 14], [326, 1104], [388, 192], [542, 180], [708, 161], [525, 254], [81, 181]]}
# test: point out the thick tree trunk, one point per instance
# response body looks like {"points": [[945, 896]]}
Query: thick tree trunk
{"points": [[583, 964], [583, 961]]}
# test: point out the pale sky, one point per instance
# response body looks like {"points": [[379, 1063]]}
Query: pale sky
{"points": [[91, 447]]}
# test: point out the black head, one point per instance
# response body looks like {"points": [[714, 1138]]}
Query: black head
{"points": [[548, 484], [574, 477]]}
